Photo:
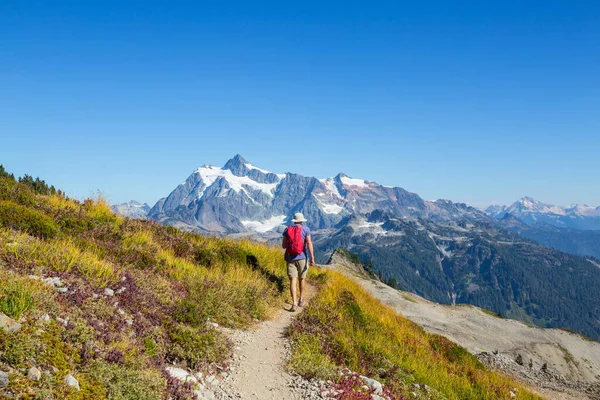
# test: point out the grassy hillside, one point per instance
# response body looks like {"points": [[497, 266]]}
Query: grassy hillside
{"points": [[136, 296], [111, 301], [345, 327]]}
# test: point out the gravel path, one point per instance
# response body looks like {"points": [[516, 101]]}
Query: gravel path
{"points": [[258, 367]]}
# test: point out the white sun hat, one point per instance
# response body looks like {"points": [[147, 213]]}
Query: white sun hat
{"points": [[298, 217]]}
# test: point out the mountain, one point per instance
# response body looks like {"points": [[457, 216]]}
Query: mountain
{"points": [[530, 211], [573, 241], [132, 209], [240, 197], [474, 263]]}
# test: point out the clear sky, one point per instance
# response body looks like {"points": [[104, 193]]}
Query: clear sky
{"points": [[475, 101]]}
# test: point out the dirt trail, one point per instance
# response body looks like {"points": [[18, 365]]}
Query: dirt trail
{"points": [[259, 357]]}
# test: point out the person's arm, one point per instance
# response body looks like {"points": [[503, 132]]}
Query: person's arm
{"points": [[310, 250]]}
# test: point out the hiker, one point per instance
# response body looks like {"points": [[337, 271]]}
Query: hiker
{"points": [[296, 241]]}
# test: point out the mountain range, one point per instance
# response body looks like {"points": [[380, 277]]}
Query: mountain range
{"points": [[240, 197], [132, 209], [444, 251], [530, 211]]}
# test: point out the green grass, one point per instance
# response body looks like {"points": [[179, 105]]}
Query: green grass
{"points": [[345, 327]]}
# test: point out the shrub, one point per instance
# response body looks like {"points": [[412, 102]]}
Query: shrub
{"points": [[15, 216], [13, 191], [15, 299], [18, 295], [196, 347], [123, 383], [18, 349]]}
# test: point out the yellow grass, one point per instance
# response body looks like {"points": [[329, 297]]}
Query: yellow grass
{"points": [[347, 327], [61, 255]]}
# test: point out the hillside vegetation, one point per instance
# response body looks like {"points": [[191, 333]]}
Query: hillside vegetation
{"points": [[130, 297], [113, 301]]}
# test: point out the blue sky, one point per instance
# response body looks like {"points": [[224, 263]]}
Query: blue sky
{"points": [[475, 101]]}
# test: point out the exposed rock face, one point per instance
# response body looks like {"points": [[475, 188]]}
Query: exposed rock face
{"points": [[243, 198]]}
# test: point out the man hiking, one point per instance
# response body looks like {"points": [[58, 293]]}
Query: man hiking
{"points": [[296, 241]]}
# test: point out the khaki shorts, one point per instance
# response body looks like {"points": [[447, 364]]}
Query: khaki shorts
{"points": [[297, 268]]}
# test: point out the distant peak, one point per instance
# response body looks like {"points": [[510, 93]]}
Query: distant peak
{"points": [[237, 165], [237, 160], [528, 199]]}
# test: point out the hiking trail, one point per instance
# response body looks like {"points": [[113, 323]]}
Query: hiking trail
{"points": [[258, 366]]}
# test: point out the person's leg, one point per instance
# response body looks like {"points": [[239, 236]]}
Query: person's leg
{"points": [[292, 271], [293, 283], [302, 276], [301, 289]]}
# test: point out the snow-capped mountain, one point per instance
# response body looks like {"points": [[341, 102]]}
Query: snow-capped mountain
{"points": [[132, 209], [240, 197], [530, 211]]}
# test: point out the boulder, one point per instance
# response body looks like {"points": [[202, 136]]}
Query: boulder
{"points": [[8, 324], [181, 374], [3, 379], [34, 374], [72, 382], [373, 384]]}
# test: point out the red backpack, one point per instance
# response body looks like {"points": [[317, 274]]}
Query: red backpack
{"points": [[295, 243]]}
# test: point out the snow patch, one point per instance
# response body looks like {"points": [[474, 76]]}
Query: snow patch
{"points": [[353, 182], [250, 166], [331, 208], [369, 225], [330, 186], [265, 226], [210, 174], [594, 262]]}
